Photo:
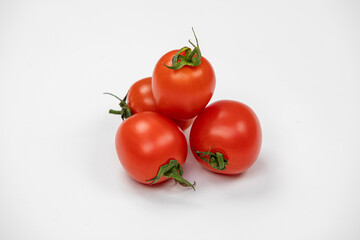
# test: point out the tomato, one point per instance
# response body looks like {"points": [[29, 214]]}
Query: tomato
{"points": [[226, 137], [140, 98], [151, 148], [182, 90]]}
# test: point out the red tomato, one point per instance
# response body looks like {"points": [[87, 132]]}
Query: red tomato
{"points": [[146, 143], [140, 98], [228, 132], [183, 93]]}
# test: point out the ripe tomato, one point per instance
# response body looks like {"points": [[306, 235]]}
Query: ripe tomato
{"points": [[140, 98], [226, 137], [151, 148], [184, 89]]}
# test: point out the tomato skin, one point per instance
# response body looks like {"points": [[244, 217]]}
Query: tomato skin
{"points": [[231, 128], [140, 98], [182, 94], [146, 141]]}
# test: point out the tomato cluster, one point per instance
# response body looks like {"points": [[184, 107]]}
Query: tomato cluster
{"points": [[225, 137]]}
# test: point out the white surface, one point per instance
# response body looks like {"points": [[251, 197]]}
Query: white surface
{"points": [[296, 64]]}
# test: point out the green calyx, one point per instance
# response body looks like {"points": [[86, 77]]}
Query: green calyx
{"points": [[216, 160], [125, 111], [172, 170], [190, 58]]}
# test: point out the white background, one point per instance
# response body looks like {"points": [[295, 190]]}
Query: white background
{"points": [[297, 64]]}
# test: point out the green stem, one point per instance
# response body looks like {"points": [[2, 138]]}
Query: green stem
{"points": [[125, 111], [191, 58], [172, 170], [215, 160], [115, 111]]}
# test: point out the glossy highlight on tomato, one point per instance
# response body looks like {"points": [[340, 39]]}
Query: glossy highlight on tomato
{"points": [[232, 130]]}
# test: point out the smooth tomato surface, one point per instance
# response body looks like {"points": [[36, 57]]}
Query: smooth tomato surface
{"points": [[182, 94], [140, 98], [231, 128], [146, 141]]}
